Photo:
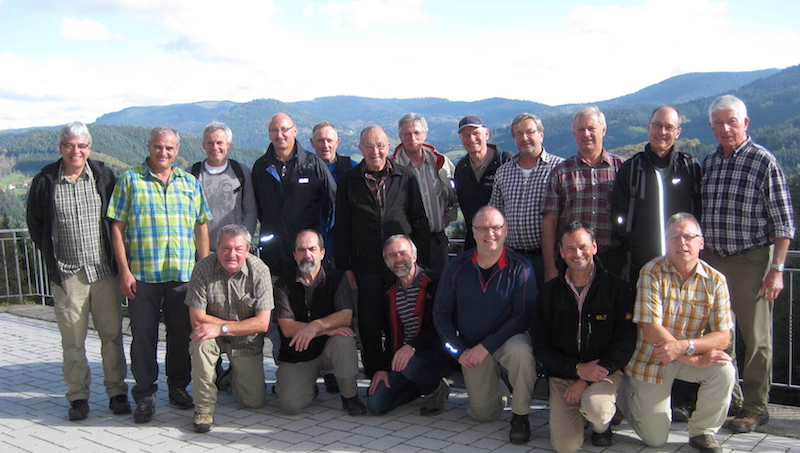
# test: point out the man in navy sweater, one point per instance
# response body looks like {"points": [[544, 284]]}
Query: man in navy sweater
{"points": [[483, 312]]}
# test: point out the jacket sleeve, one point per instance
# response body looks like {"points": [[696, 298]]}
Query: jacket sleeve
{"points": [[444, 312], [35, 214], [420, 230], [522, 298], [621, 349], [620, 201], [328, 195]]}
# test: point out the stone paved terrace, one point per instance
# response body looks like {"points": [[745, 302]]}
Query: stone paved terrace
{"points": [[33, 416]]}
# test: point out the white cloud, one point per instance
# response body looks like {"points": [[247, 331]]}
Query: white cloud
{"points": [[86, 30], [366, 14]]}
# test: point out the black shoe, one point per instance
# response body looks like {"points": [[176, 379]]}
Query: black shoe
{"points": [[144, 412], [520, 429], [78, 410], [180, 399], [616, 420], [706, 443], [602, 439], [119, 404], [224, 380], [354, 406], [680, 414], [331, 385]]}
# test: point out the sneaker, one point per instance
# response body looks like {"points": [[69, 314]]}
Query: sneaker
{"points": [[434, 403], [354, 406], [331, 385], [520, 429], [144, 412], [602, 439], [224, 381], [78, 410], [202, 422], [180, 399], [119, 404], [746, 421], [706, 443]]}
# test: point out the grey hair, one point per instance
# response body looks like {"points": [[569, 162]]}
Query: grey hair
{"points": [[528, 116], [320, 239], [216, 126], [590, 110], [72, 130], [412, 117], [684, 217], [234, 230], [164, 130], [320, 125], [396, 237], [727, 102]]}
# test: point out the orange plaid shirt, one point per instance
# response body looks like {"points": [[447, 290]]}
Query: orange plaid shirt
{"points": [[683, 308]]}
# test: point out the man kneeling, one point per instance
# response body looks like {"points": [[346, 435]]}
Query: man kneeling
{"points": [[230, 301], [677, 296], [314, 309]]}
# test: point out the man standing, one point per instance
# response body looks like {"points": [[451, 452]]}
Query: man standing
{"points": [[230, 302], [483, 312], [325, 140], [66, 218], [435, 175], [683, 312], [226, 183], [474, 175], [519, 190], [414, 362], [748, 217], [159, 226], [314, 308], [584, 337], [651, 186], [375, 200], [294, 191], [580, 189]]}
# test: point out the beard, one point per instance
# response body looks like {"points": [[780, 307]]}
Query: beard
{"points": [[402, 272], [307, 266]]}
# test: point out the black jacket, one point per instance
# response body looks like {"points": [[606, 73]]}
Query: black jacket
{"points": [[607, 330], [361, 227], [42, 219], [640, 229], [306, 203], [474, 194], [343, 163]]}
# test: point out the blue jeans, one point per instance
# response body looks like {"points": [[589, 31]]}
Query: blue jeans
{"points": [[420, 377]]}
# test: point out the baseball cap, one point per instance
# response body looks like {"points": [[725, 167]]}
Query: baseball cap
{"points": [[470, 120]]}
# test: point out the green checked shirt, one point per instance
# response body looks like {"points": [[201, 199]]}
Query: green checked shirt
{"points": [[159, 222]]}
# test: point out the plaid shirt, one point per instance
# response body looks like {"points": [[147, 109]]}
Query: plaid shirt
{"points": [[520, 199], [159, 222], [78, 226], [577, 191], [746, 201], [683, 308], [235, 298]]}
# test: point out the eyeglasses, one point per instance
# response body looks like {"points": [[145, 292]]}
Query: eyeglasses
{"points": [[659, 127], [685, 237], [283, 130], [485, 229], [414, 133], [378, 146], [71, 146], [528, 133]]}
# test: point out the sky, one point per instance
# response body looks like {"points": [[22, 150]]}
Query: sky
{"points": [[66, 60]]}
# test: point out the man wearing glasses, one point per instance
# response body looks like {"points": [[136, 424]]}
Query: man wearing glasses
{"points": [[483, 312], [376, 199], [294, 191], [683, 311], [66, 217]]}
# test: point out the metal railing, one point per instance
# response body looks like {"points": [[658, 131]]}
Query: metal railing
{"points": [[24, 280]]}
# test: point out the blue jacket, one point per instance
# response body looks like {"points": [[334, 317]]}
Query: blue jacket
{"points": [[470, 310]]}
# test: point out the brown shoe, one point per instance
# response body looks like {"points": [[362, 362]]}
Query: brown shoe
{"points": [[706, 443], [746, 421], [202, 423]]}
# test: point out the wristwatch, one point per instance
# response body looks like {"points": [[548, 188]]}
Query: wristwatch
{"points": [[777, 267], [690, 349], [224, 329]]}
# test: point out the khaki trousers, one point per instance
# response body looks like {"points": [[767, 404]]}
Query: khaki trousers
{"points": [[248, 376], [74, 300]]}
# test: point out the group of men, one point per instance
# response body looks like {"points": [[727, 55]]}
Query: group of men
{"points": [[564, 258]]}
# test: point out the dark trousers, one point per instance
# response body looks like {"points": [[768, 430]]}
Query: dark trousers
{"points": [[421, 376], [440, 246], [373, 321], [152, 300]]}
